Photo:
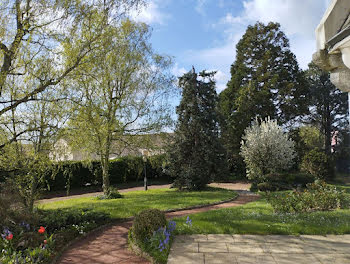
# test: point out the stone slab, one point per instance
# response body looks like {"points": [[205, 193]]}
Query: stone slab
{"points": [[256, 249], [220, 258], [212, 247], [185, 258]]}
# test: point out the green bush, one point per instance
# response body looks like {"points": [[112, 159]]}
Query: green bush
{"points": [[68, 175], [147, 222], [319, 196], [284, 181], [113, 193], [318, 164], [267, 187]]}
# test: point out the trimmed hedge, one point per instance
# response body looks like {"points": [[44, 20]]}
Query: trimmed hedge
{"points": [[69, 175], [75, 174]]}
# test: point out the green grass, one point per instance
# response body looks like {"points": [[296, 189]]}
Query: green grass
{"points": [[344, 187], [258, 218], [134, 202]]}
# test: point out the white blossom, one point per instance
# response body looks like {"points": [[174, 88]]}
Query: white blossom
{"points": [[266, 149]]}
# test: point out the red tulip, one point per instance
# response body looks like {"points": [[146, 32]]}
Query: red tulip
{"points": [[41, 230], [9, 237], [45, 241]]}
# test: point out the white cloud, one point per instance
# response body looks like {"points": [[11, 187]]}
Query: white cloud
{"points": [[178, 71], [295, 16], [298, 19], [150, 14], [221, 80], [200, 7], [220, 76], [212, 57]]}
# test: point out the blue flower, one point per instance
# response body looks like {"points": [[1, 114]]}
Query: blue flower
{"points": [[171, 226], [188, 221]]}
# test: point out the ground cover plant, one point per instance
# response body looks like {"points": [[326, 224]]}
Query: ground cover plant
{"points": [[318, 196], [259, 218], [134, 202]]}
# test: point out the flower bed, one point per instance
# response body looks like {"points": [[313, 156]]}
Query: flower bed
{"points": [[30, 243]]}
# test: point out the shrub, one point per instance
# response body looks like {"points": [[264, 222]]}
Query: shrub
{"points": [[266, 187], [318, 164], [285, 181], [319, 196], [113, 193], [147, 222], [266, 149]]}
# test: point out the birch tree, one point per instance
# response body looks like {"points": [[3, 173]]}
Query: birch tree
{"points": [[42, 42], [124, 95]]}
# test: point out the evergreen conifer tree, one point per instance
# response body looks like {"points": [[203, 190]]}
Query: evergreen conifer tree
{"points": [[328, 107], [197, 155], [265, 82]]}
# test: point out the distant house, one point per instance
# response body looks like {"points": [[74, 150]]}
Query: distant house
{"points": [[142, 145], [335, 139]]}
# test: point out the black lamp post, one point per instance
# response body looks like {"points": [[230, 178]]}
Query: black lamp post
{"points": [[144, 157]]}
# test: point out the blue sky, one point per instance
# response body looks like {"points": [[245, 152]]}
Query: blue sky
{"points": [[204, 33]]}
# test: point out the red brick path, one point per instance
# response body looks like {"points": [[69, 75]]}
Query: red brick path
{"points": [[111, 245]]}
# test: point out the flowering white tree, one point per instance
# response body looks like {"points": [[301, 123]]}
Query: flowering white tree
{"points": [[266, 149]]}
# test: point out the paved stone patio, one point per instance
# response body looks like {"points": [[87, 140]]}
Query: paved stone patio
{"points": [[257, 249]]}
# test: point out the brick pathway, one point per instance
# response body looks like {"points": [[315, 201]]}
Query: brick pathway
{"points": [[110, 245], [255, 249]]}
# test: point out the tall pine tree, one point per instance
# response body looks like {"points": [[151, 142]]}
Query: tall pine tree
{"points": [[197, 155], [265, 82]]}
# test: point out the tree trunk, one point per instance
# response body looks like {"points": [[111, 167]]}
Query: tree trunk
{"points": [[328, 133], [32, 195], [105, 175]]}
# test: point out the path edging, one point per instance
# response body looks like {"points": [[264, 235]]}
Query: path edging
{"points": [[123, 220]]}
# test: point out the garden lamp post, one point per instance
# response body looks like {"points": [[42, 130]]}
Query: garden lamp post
{"points": [[144, 158]]}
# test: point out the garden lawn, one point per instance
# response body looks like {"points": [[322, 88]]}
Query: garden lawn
{"points": [[258, 218], [134, 202]]}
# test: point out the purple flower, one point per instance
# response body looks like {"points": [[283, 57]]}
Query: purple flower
{"points": [[25, 225], [188, 221], [171, 226]]}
